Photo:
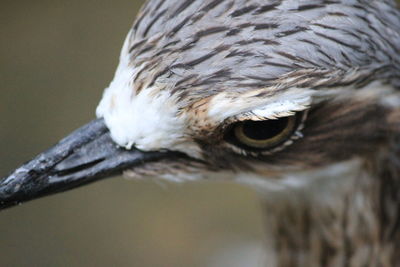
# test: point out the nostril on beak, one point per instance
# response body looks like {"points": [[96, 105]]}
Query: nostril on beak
{"points": [[65, 169]]}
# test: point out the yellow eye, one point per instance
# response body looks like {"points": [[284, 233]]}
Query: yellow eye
{"points": [[261, 135]]}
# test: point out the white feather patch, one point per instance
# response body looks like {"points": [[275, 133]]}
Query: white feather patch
{"points": [[323, 179], [146, 120], [223, 106]]}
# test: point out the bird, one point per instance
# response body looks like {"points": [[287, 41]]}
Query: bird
{"points": [[299, 100]]}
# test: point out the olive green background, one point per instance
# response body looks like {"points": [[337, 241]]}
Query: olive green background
{"points": [[56, 57]]}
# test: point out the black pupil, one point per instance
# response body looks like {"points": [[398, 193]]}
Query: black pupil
{"points": [[263, 130]]}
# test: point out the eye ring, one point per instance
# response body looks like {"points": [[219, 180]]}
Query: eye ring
{"points": [[262, 135]]}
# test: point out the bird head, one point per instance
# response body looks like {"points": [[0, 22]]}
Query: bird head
{"points": [[265, 94]]}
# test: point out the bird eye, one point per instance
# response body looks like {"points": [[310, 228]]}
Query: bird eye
{"points": [[261, 135]]}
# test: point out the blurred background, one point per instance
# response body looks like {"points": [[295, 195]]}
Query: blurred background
{"points": [[56, 57]]}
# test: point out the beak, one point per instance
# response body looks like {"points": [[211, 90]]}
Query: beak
{"points": [[87, 155]]}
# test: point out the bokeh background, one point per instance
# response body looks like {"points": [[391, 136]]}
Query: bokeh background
{"points": [[56, 56]]}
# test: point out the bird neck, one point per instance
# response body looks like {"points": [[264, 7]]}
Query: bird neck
{"points": [[348, 220]]}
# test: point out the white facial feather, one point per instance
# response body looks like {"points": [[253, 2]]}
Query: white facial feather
{"points": [[146, 120], [320, 178], [324, 182], [284, 104]]}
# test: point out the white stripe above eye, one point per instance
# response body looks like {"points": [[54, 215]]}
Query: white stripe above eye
{"points": [[224, 105]]}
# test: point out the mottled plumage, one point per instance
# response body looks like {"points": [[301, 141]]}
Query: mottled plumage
{"points": [[324, 75]]}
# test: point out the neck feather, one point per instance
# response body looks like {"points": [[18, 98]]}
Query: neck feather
{"points": [[347, 219]]}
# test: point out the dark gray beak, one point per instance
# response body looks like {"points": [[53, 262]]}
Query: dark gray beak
{"points": [[85, 156]]}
